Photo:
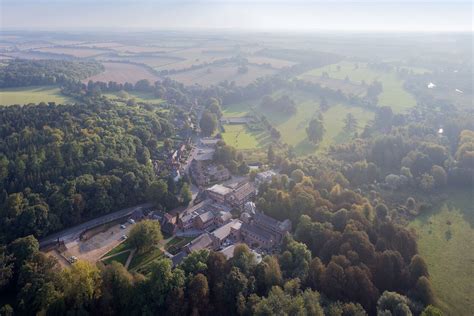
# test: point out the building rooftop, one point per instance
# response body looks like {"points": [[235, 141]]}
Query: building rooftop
{"points": [[199, 243], [207, 216], [258, 231], [224, 231], [220, 189]]}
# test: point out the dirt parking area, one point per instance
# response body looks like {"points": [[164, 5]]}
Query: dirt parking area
{"points": [[95, 247]]}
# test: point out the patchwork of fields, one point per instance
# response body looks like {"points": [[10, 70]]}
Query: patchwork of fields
{"points": [[446, 240], [217, 73], [28, 95], [122, 73]]}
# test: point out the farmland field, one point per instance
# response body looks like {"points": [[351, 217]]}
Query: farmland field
{"points": [[446, 240], [152, 61], [275, 63], [393, 95], [32, 95], [122, 73], [73, 51], [212, 75]]}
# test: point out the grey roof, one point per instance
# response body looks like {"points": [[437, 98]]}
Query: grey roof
{"points": [[207, 216], [224, 231], [177, 258], [199, 243], [258, 231]]}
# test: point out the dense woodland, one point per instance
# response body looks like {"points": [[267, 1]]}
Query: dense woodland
{"points": [[349, 253], [22, 73]]}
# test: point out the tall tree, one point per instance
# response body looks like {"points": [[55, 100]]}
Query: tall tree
{"points": [[145, 234], [315, 130]]}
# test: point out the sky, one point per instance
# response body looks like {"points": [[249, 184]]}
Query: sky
{"points": [[259, 15]]}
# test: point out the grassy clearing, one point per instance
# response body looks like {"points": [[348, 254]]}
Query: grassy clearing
{"points": [[122, 258], [120, 247], [240, 137], [28, 95], [141, 261], [393, 95], [137, 96], [307, 108], [446, 239]]}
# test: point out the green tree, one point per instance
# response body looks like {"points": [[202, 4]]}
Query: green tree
{"points": [[393, 303], [198, 290], [185, 194], [350, 123], [80, 285], [208, 123], [439, 175], [145, 235], [315, 131], [430, 310], [157, 191]]}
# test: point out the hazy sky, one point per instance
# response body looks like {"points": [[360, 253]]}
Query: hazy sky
{"points": [[261, 15]]}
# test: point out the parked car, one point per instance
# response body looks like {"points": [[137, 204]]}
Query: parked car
{"points": [[124, 237], [123, 226], [72, 259], [131, 221]]}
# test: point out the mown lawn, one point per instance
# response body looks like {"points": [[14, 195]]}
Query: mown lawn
{"points": [[446, 242], [140, 261], [240, 137], [36, 94], [393, 95], [122, 258], [120, 247]]}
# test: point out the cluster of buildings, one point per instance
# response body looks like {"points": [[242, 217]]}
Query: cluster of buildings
{"points": [[225, 215], [203, 170]]}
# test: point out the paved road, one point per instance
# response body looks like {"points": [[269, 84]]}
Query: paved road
{"points": [[73, 233]]}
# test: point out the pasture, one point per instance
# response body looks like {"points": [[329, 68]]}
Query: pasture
{"points": [[307, 108], [122, 73], [273, 62], [393, 95], [215, 74], [445, 240], [240, 137], [26, 95]]}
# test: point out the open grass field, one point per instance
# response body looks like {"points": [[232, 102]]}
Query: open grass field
{"points": [[123, 96], [212, 75], [393, 95], [122, 73], [28, 95], [446, 242], [240, 137], [307, 108]]}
